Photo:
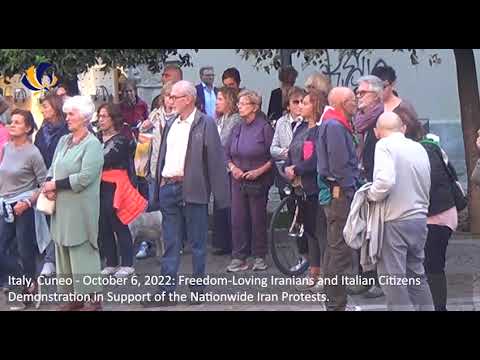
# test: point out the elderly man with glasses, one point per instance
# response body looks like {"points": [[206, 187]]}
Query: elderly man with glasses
{"points": [[370, 107], [189, 170]]}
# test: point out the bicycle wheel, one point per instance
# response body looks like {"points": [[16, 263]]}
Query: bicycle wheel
{"points": [[284, 247]]}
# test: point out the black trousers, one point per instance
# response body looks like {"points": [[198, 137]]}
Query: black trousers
{"points": [[310, 244], [222, 222], [23, 230], [434, 263], [109, 226], [222, 235]]}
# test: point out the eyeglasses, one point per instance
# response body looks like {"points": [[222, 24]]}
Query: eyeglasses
{"points": [[175, 98], [244, 104], [297, 102], [362, 93]]}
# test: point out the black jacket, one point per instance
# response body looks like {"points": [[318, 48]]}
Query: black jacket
{"points": [[200, 103], [47, 139], [275, 106], [441, 196]]}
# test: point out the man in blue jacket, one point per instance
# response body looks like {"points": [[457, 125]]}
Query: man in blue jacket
{"points": [[337, 165], [189, 170], [206, 92]]}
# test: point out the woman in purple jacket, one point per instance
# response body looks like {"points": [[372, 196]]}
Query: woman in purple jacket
{"points": [[250, 163]]}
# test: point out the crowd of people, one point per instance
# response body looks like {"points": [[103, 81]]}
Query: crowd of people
{"points": [[361, 156]]}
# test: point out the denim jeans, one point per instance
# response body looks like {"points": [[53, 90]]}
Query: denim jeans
{"points": [[180, 217]]}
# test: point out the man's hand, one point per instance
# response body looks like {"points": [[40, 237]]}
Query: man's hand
{"points": [[20, 208], [478, 140]]}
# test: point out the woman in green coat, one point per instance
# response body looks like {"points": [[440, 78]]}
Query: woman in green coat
{"points": [[75, 184]]}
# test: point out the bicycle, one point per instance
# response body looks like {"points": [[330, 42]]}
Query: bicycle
{"points": [[286, 229]]}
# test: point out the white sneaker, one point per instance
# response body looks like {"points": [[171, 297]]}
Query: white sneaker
{"points": [[353, 308], [48, 269], [124, 271], [109, 270]]}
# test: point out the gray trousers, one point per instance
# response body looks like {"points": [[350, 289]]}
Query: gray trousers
{"points": [[401, 260]]}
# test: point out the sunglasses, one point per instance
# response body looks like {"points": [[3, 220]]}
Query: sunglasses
{"points": [[297, 102]]}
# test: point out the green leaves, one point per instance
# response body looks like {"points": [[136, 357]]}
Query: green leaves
{"points": [[76, 61]]}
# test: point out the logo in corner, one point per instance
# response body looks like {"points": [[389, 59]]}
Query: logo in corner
{"points": [[38, 79]]}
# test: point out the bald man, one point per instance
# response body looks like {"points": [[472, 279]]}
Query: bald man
{"points": [[172, 73], [401, 178], [337, 166]]}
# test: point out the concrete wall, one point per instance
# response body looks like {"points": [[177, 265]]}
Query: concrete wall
{"points": [[431, 89]]}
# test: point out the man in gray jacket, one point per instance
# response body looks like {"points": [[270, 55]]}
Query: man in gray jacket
{"points": [[401, 178], [189, 170]]}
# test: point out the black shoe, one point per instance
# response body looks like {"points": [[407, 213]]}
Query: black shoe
{"points": [[356, 289], [195, 301], [161, 303], [374, 292], [221, 252]]}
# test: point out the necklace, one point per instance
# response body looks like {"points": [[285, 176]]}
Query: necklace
{"points": [[72, 142]]}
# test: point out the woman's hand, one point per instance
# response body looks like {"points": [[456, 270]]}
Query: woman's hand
{"points": [[49, 186], [237, 173], [51, 195], [251, 175], [289, 172], [146, 125], [20, 208]]}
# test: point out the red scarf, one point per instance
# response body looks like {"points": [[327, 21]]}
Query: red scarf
{"points": [[332, 114]]}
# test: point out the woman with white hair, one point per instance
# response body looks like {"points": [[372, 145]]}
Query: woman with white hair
{"points": [[75, 185]]}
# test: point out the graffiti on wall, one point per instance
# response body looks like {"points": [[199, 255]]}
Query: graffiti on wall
{"points": [[349, 68]]}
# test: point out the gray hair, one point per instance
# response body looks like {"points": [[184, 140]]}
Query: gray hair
{"points": [[252, 96], [187, 88], [202, 69], [318, 81], [375, 83], [83, 104]]}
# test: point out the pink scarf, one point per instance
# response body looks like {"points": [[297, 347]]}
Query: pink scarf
{"points": [[364, 121]]}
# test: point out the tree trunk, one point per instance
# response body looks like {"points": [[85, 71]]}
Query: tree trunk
{"points": [[470, 113], [286, 57]]}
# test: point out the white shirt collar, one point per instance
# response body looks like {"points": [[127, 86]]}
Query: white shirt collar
{"points": [[189, 119], [291, 119]]}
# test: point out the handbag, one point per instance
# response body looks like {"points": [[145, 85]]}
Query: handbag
{"points": [[45, 205], [252, 188], [476, 174], [459, 197]]}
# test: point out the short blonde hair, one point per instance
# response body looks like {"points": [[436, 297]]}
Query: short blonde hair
{"points": [[318, 81], [252, 96]]}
